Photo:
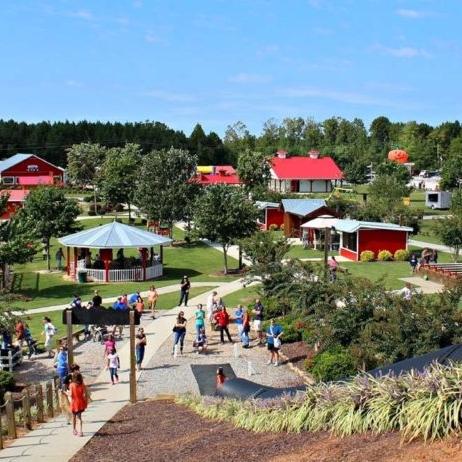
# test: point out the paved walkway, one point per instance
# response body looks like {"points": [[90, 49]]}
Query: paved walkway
{"points": [[54, 441]]}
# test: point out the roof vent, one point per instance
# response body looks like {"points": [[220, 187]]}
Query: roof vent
{"points": [[314, 154], [282, 154]]}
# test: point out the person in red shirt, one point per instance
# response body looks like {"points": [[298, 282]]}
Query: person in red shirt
{"points": [[20, 333], [222, 318], [78, 395]]}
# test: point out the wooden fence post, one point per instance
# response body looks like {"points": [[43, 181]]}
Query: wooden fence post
{"points": [[9, 406], [57, 391], [132, 358], [26, 409], [49, 399], [39, 394]]}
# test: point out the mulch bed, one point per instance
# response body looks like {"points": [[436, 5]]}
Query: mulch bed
{"points": [[161, 430]]}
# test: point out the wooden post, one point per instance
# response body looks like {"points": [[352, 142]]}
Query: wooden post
{"points": [[132, 358], [26, 409], [57, 392], [39, 393], [10, 422], [49, 399], [70, 343]]}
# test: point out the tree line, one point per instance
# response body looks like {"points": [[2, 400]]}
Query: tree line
{"points": [[350, 143]]}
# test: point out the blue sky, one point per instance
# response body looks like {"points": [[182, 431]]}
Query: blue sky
{"points": [[217, 62]]}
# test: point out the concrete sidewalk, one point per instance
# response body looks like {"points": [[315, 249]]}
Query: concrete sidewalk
{"points": [[53, 441]]}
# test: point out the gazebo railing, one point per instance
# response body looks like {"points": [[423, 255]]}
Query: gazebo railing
{"points": [[120, 275]]}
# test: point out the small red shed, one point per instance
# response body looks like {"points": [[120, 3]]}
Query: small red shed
{"points": [[15, 201], [357, 236]]}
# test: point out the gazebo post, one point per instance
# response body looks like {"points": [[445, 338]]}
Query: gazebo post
{"points": [[144, 252], [68, 261], [161, 253], [106, 270], [75, 264]]}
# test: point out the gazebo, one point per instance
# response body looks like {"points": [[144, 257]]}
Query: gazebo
{"points": [[104, 267]]}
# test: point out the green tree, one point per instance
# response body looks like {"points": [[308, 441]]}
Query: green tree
{"points": [[166, 189], [84, 164], [253, 168], [356, 172], [48, 213], [119, 175], [225, 214], [16, 244], [449, 230]]}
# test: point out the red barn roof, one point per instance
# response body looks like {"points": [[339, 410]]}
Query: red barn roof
{"points": [[305, 168]]}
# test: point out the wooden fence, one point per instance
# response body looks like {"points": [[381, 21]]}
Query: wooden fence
{"points": [[35, 404]]}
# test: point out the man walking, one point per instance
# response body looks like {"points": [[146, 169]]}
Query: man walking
{"points": [[258, 321]]}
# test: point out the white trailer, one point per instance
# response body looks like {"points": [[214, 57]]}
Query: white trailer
{"points": [[438, 199]]}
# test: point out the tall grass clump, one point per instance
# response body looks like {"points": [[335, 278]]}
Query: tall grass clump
{"points": [[424, 405]]}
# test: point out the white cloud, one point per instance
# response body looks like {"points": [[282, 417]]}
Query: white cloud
{"points": [[410, 13], [170, 97], [402, 52], [152, 38], [73, 83], [346, 97], [84, 15], [248, 78]]}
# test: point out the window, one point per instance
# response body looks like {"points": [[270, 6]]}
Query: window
{"points": [[349, 241], [32, 168], [9, 180]]}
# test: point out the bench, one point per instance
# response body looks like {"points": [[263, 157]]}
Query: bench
{"points": [[75, 336]]}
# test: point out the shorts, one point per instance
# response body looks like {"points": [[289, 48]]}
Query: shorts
{"points": [[271, 347], [257, 325]]}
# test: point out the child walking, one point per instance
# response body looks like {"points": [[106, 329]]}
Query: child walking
{"points": [[113, 363], [78, 398]]}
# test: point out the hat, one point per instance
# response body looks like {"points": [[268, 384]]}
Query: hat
{"points": [[185, 276]]}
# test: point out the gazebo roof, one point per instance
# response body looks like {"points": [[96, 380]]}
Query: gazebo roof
{"points": [[113, 235]]}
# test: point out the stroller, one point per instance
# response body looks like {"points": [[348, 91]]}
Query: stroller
{"points": [[99, 333]]}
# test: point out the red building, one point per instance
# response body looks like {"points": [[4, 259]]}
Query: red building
{"points": [[224, 174], [357, 236], [27, 170], [307, 174], [15, 201]]}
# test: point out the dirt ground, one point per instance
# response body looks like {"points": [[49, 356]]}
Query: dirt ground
{"points": [[160, 430]]}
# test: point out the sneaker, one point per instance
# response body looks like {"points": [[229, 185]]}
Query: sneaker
{"points": [[276, 364], [269, 362], [80, 434]]}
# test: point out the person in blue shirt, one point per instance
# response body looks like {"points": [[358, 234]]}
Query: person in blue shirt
{"points": [[119, 305], [239, 315], [133, 299], [273, 334]]}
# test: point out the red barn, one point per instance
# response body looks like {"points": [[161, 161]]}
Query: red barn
{"points": [[28, 170], [224, 174], [15, 201], [357, 236]]}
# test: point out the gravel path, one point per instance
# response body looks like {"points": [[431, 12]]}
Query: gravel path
{"points": [[165, 374]]}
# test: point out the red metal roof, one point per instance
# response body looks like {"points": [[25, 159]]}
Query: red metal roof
{"points": [[306, 168], [16, 195], [215, 179]]}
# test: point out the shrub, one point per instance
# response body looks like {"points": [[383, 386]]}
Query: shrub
{"points": [[367, 255], [401, 255], [384, 255], [91, 213], [273, 227], [7, 383], [333, 364], [118, 208]]}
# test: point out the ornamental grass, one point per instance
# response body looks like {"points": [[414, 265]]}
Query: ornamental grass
{"points": [[424, 405]]}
